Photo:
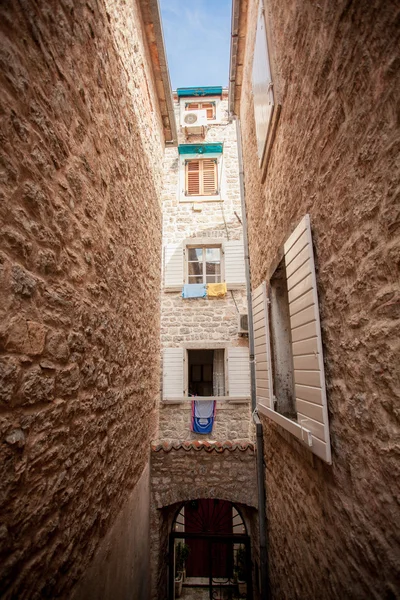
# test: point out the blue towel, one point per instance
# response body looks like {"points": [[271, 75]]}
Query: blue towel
{"points": [[203, 414], [194, 290]]}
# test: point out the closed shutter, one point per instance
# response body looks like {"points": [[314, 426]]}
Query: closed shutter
{"points": [[262, 351], [173, 265], [263, 95], [308, 362], [238, 373], [173, 373], [235, 273], [208, 106], [201, 177]]}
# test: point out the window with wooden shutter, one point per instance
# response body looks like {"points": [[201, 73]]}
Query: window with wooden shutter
{"points": [[264, 391], [201, 177], [208, 106], [173, 373], [263, 94], [173, 266], [311, 423], [238, 372], [235, 274]]}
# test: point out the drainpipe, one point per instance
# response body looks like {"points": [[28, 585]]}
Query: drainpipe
{"points": [[262, 519]]}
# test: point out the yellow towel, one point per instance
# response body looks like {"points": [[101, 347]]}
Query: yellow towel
{"points": [[216, 290]]}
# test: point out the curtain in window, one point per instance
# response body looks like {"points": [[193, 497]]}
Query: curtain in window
{"points": [[219, 373]]}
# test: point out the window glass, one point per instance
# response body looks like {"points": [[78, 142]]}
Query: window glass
{"points": [[204, 265]]}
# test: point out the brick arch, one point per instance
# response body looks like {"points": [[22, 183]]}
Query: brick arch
{"points": [[179, 495]]}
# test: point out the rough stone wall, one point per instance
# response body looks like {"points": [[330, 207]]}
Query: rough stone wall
{"points": [[81, 141], [203, 320], [333, 530], [181, 475]]}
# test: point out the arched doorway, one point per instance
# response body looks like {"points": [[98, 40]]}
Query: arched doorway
{"points": [[209, 552]]}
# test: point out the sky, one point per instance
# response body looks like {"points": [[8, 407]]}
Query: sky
{"points": [[197, 39]]}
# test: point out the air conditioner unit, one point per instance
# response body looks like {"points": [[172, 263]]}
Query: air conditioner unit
{"points": [[194, 120], [243, 327]]}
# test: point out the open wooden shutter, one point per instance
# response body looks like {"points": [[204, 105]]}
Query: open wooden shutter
{"points": [[263, 95], [234, 263], [193, 177], [238, 372], [208, 169], [262, 348], [173, 266], [173, 373], [308, 362]]}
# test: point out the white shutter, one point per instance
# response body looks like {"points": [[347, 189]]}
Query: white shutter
{"points": [[235, 274], [173, 266], [173, 373], [238, 372], [262, 348], [263, 95], [308, 362]]}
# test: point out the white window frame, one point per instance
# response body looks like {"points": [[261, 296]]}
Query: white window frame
{"points": [[221, 182], [204, 245], [189, 100]]}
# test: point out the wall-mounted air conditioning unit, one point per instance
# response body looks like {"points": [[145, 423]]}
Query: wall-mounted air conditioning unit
{"points": [[194, 120], [243, 326]]}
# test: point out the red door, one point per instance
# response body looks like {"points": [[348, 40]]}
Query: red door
{"points": [[213, 517]]}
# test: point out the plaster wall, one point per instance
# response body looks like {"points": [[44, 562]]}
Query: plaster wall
{"points": [[333, 530]]}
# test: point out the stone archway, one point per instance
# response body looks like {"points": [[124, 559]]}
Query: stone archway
{"points": [[190, 471]]}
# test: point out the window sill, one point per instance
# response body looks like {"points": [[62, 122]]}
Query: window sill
{"points": [[223, 399], [230, 287], [303, 434], [199, 199]]}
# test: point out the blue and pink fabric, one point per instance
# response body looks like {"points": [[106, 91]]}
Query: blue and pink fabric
{"points": [[203, 414]]}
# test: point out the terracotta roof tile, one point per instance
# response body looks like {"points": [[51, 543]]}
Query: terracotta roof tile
{"points": [[198, 445]]}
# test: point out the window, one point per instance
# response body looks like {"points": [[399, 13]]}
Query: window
{"points": [[290, 379], [201, 178], [219, 371], [206, 372], [208, 106], [281, 344], [266, 112], [204, 264]]}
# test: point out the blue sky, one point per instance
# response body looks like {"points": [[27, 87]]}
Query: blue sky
{"points": [[197, 38]]}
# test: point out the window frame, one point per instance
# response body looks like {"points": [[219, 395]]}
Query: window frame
{"points": [[273, 92], [201, 179], [204, 246], [221, 180], [202, 99], [201, 107]]}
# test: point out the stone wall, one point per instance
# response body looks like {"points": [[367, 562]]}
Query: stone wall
{"points": [[333, 530], [190, 473], [197, 322], [80, 278]]}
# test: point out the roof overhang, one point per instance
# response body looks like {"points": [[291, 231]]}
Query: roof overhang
{"points": [[199, 91], [155, 39], [238, 42]]}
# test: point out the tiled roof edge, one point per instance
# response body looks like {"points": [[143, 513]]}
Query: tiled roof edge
{"points": [[200, 445]]}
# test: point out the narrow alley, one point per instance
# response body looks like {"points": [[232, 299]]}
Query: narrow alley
{"points": [[199, 300]]}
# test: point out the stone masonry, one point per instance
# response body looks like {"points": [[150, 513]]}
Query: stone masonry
{"points": [[334, 530], [198, 321], [80, 249]]}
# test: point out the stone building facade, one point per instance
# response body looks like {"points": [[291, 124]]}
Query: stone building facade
{"points": [[206, 322], [84, 121], [331, 151]]}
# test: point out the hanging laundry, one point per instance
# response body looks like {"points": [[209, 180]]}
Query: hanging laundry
{"points": [[216, 290], [194, 290], [203, 414]]}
